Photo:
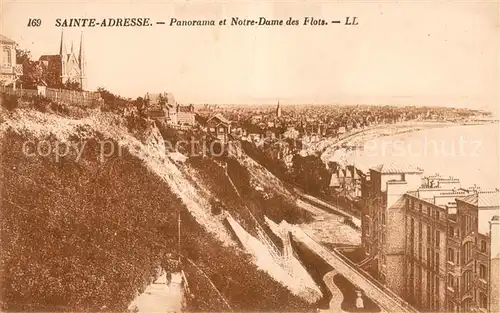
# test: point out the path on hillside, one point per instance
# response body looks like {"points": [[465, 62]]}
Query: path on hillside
{"points": [[337, 296], [160, 296], [386, 299]]}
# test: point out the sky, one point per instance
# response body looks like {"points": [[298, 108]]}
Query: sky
{"points": [[432, 53]]}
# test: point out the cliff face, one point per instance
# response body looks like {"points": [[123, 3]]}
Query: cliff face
{"points": [[88, 211]]}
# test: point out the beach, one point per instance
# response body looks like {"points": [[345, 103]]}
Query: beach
{"points": [[467, 152]]}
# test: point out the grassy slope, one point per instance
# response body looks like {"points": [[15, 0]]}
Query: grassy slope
{"points": [[86, 236], [276, 208]]}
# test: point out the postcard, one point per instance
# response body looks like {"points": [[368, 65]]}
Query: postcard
{"points": [[249, 156]]}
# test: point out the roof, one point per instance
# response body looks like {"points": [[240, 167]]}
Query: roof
{"points": [[394, 168], [6, 39], [51, 58], [482, 199], [220, 117]]}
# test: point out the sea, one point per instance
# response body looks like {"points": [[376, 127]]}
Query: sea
{"points": [[467, 152]]}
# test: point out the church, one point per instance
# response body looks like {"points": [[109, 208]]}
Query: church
{"points": [[66, 67]]}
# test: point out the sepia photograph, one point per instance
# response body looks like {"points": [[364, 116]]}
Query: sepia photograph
{"points": [[249, 156]]}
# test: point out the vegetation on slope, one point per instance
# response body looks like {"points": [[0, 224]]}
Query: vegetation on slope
{"points": [[243, 201], [85, 235]]}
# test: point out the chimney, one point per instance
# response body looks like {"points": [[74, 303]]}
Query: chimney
{"points": [[495, 237]]}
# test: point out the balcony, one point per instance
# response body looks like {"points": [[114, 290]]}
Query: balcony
{"points": [[10, 69]]}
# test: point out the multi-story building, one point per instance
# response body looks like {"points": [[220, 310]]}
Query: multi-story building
{"points": [[9, 69], [430, 240], [164, 108]]}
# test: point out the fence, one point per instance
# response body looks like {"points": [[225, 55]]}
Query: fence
{"points": [[80, 98]]}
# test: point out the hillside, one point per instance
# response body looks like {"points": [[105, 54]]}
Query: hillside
{"points": [[85, 231]]}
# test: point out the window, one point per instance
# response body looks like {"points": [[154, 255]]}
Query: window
{"points": [[483, 246], [467, 281], [429, 211], [420, 231], [7, 56], [451, 231], [437, 239], [482, 271], [467, 252], [429, 235], [451, 281], [483, 301], [451, 255], [221, 129], [437, 215], [420, 207], [436, 288]]}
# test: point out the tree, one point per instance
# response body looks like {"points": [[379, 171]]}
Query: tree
{"points": [[141, 104], [32, 70], [72, 85]]}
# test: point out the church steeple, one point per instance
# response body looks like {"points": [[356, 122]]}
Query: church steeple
{"points": [[278, 110], [83, 64], [62, 46], [81, 53]]}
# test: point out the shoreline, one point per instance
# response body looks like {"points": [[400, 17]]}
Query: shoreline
{"points": [[358, 139], [330, 145]]}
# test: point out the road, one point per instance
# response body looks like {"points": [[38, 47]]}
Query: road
{"points": [[387, 300]]}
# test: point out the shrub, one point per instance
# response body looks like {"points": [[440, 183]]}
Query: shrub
{"points": [[41, 104], [10, 102]]}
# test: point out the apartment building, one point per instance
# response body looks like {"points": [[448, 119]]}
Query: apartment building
{"points": [[431, 241]]}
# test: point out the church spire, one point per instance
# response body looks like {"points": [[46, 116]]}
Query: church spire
{"points": [[62, 46], [83, 64], [81, 53]]}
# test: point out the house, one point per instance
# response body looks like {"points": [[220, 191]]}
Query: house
{"points": [[164, 108], [291, 133], [254, 137], [160, 106], [219, 127], [9, 69], [185, 115]]}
